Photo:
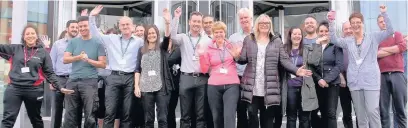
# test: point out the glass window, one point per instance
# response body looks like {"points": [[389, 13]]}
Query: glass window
{"points": [[142, 14], [5, 38], [183, 21], [226, 14]]}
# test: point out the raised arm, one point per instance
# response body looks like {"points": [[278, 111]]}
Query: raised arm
{"points": [[166, 41], [243, 56], [382, 35], [175, 38], [338, 41], [105, 39]]}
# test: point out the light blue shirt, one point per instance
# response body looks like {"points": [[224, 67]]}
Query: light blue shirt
{"points": [[120, 58], [57, 56]]}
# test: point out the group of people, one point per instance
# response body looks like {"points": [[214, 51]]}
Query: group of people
{"points": [[119, 80]]}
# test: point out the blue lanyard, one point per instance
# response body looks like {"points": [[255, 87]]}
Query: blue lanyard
{"points": [[192, 44], [121, 46]]}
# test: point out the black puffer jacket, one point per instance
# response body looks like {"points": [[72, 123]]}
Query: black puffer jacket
{"points": [[275, 55]]}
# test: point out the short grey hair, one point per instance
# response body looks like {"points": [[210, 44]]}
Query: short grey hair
{"points": [[245, 10]]}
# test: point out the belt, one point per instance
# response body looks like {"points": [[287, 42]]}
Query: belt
{"points": [[66, 76], [195, 74], [121, 73], [391, 72]]}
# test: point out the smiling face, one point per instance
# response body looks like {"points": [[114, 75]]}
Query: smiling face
{"points": [[140, 31], [152, 35], [356, 25], [72, 29], [264, 25], [207, 24], [347, 29], [323, 31], [245, 20], [296, 36], [219, 35], [195, 23], [30, 36], [126, 25], [310, 25], [84, 28]]}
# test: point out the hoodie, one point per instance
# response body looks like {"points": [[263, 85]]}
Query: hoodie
{"points": [[38, 63]]}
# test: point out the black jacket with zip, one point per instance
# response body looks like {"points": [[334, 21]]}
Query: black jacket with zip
{"points": [[39, 64], [330, 65]]}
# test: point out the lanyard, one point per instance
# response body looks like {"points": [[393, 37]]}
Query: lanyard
{"points": [[31, 56], [222, 55], [121, 46], [296, 59], [192, 45]]}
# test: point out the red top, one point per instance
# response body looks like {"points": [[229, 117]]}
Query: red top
{"points": [[220, 64], [395, 62]]}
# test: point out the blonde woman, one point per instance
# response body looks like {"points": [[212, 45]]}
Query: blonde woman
{"points": [[262, 51]]}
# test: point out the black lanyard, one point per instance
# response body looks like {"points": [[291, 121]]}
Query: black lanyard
{"points": [[121, 46], [192, 44]]}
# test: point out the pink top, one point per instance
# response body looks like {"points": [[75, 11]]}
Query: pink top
{"points": [[222, 71]]}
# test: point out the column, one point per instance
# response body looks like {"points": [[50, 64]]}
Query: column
{"points": [[67, 10], [345, 7]]}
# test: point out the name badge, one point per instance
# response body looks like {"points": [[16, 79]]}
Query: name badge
{"points": [[25, 69], [292, 76], [151, 73], [223, 71], [122, 62], [195, 58], [359, 61]]}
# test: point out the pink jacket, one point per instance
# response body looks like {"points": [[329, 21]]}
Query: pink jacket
{"points": [[211, 62]]}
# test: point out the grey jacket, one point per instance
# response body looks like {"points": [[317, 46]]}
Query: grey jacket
{"points": [[275, 55], [309, 101]]}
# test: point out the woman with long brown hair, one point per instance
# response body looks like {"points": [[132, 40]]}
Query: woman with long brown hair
{"points": [[153, 80], [30, 64]]}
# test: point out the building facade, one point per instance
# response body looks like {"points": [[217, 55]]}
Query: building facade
{"points": [[50, 18]]}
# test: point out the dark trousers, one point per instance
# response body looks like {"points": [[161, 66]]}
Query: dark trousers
{"points": [[86, 94], [32, 98], [328, 101], [137, 113], [266, 115], [393, 85], [119, 92], [242, 113], [294, 109], [346, 103], [192, 93], [58, 106], [161, 100], [171, 116], [100, 113], [223, 101]]}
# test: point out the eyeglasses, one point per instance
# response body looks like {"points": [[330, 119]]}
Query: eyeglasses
{"points": [[264, 23]]}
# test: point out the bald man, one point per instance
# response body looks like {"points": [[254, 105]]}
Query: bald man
{"points": [[122, 57]]}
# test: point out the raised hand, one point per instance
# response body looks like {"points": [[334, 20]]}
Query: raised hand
{"points": [[166, 15], [177, 12], [46, 41], [96, 10], [84, 12], [383, 8], [303, 72], [331, 16], [322, 39]]}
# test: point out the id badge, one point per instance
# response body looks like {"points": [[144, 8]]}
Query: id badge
{"points": [[223, 71], [292, 76], [195, 58], [25, 69], [122, 62], [151, 73], [359, 61]]}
